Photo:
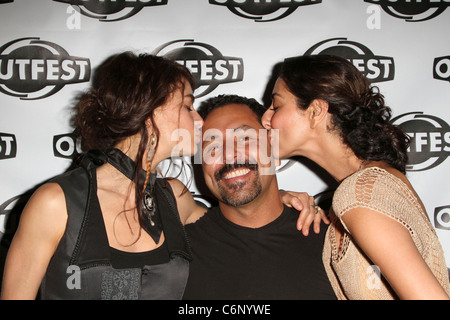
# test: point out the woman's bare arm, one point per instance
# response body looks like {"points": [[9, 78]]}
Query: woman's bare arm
{"points": [[41, 227], [389, 245]]}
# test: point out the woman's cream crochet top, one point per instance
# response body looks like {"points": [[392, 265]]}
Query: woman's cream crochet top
{"points": [[351, 273]]}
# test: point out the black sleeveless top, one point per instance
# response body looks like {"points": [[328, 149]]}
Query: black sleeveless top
{"points": [[84, 266]]}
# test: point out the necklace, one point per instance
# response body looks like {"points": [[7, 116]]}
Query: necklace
{"points": [[362, 164], [151, 221]]}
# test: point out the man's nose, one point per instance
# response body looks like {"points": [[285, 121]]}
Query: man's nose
{"points": [[233, 152]]}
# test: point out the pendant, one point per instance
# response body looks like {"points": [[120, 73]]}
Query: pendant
{"points": [[149, 207], [151, 220]]}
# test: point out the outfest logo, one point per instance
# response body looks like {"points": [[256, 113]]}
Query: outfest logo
{"points": [[430, 140], [31, 68], [5, 210], [8, 146], [66, 146], [263, 10], [413, 10], [375, 67], [207, 64], [112, 10], [441, 69], [10, 212], [442, 218]]}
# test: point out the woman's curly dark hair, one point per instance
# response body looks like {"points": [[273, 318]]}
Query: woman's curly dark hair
{"points": [[358, 109], [126, 90]]}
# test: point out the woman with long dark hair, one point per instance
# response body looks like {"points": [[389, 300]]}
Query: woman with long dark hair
{"points": [[381, 244], [110, 228]]}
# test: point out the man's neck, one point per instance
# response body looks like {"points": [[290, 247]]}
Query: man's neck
{"points": [[261, 211]]}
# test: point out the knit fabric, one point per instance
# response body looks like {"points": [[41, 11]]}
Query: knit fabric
{"points": [[352, 274]]}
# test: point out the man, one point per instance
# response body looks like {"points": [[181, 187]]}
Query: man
{"points": [[248, 247]]}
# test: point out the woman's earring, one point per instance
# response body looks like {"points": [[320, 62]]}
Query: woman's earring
{"points": [[150, 155], [151, 149], [151, 221]]}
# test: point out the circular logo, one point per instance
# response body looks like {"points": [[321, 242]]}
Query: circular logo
{"points": [[442, 218], [207, 64], [412, 10], [430, 140], [112, 10], [31, 68], [441, 70], [263, 11], [10, 212], [376, 68]]}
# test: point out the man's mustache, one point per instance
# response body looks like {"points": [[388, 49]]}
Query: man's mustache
{"points": [[233, 166]]}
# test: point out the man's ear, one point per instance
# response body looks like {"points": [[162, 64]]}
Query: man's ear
{"points": [[318, 110]]}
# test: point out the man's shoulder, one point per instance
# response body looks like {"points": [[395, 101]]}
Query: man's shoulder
{"points": [[291, 210], [209, 217]]}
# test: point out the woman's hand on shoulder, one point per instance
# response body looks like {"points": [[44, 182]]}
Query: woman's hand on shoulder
{"points": [[309, 212]]}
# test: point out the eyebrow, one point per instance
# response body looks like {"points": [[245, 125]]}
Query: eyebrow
{"points": [[190, 96], [243, 127], [276, 94]]}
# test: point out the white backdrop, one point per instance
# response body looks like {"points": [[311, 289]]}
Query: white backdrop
{"points": [[49, 50]]}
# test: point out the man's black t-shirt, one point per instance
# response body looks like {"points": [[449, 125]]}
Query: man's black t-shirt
{"points": [[275, 261]]}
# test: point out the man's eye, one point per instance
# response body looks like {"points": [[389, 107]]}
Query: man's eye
{"points": [[247, 137]]}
